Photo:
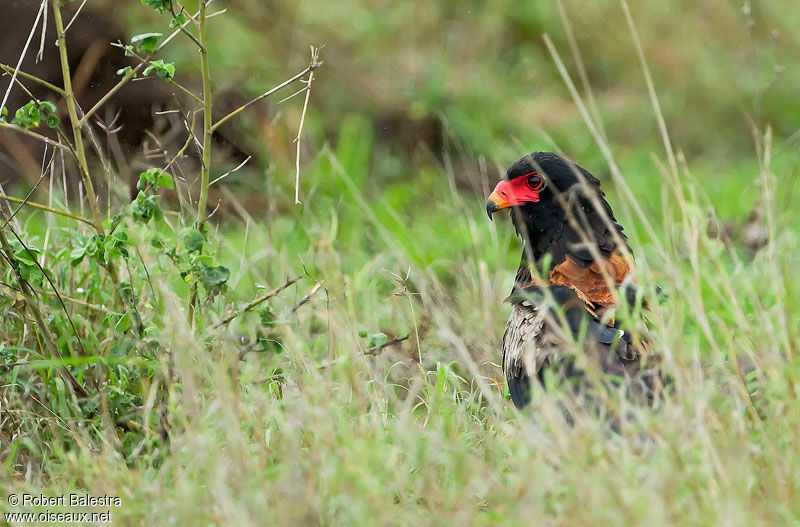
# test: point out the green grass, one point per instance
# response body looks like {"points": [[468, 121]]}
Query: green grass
{"points": [[348, 439], [282, 418]]}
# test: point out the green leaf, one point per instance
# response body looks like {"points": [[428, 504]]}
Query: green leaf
{"points": [[147, 41], [377, 339], [168, 71], [115, 245], [155, 178], [121, 348], [268, 317], [77, 254], [144, 207], [31, 274], [52, 121], [213, 276], [123, 324], [25, 254], [26, 262], [164, 180], [162, 69], [111, 223], [144, 181], [94, 247], [29, 116], [124, 71], [47, 106], [125, 289], [158, 5], [120, 237], [193, 240], [23, 257], [178, 20]]}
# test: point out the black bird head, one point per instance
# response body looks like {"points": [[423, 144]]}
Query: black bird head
{"points": [[554, 206], [533, 182]]}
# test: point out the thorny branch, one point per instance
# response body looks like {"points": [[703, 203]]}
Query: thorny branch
{"points": [[263, 298], [375, 349]]}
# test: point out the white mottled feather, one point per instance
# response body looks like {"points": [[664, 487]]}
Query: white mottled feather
{"points": [[526, 342]]}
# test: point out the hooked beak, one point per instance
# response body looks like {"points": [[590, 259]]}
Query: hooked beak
{"points": [[500, 198], [493, 204]]}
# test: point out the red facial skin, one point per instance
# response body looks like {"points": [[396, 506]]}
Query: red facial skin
{"points": [[518, 191]]}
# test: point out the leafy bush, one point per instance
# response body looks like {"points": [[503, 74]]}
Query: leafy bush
{"points": [[99, 355]]}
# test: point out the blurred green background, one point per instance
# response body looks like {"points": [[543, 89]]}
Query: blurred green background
{"points": [[408, 84]]}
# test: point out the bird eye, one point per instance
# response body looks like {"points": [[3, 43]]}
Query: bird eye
{"points": [[535, 182]]}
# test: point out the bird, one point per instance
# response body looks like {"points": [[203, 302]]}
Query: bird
{"points": [[576, 271]]}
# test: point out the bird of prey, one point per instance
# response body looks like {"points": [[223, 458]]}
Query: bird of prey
{"points": [[576, 270]]}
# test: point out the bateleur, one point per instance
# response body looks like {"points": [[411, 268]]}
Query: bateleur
{"points": [[576, 268]]}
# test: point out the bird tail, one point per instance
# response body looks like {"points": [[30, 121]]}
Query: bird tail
{"points": [[520, 390]]}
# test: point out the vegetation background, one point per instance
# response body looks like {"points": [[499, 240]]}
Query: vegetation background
{"points": [[369, 390]]}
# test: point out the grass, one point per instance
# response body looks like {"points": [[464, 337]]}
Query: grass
{"points": [[338, 437], [282, 418]]}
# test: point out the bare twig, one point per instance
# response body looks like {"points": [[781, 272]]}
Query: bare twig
{"points": [[314, 57], [78, 12], [40, 53], [375, 349], [229, 172], [69, 98], [22, 55], [27, 91], [29, 133], [192, 18], [189, 137], [306, 298], [20, 73], [25, 201], [79, 302], [183, 29], [263, 298], [295, 94], [208, 131], [185, 90], [110, 93], [311, 67]]}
